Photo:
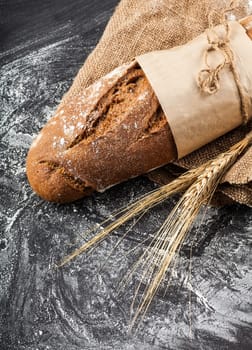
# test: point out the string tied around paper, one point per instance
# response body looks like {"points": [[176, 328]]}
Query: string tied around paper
{"points": [[209, 77]]}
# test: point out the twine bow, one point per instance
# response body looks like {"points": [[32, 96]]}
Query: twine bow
{"points": [[209, 78]]}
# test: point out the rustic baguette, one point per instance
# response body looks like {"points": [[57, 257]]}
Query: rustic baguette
{"points": [[112, 131]]}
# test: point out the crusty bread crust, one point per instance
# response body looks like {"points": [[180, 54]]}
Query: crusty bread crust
{"points": [[112, 131]]}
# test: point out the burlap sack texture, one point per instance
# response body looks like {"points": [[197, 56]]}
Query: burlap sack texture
{"points": [[139, 26]]}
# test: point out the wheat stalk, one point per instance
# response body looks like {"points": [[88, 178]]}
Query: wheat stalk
{"points": [[200, 184], [173, 232], [144, 203]]}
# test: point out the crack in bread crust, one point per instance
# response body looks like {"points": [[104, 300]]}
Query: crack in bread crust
{"points": [[104, 113], [75, 183]]}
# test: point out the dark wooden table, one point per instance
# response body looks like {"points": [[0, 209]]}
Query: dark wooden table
{"points": [[42, 46]]}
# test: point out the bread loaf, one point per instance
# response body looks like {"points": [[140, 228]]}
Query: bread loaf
{"points": [[112, 131]]}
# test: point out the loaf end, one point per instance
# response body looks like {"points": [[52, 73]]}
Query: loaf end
{"points": [[52, 184]]}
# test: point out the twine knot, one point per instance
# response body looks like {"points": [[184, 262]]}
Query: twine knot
{"points": [[209, 77]]}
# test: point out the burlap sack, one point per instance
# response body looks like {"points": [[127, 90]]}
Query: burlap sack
{"points": [[139, 26]]}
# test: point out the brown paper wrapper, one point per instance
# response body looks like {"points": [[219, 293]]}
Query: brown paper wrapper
{"points": [[197, 118]]}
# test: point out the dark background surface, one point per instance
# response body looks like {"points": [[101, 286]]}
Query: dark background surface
{"points": [[42, 46]]}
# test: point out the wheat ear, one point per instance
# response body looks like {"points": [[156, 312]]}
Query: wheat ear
{"points": [[172, 234]]}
